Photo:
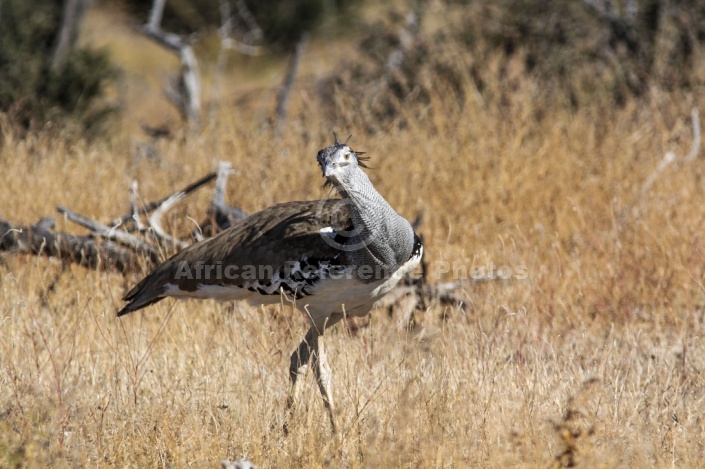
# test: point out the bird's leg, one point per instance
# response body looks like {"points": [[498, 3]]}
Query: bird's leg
{"points": [[322, 370], [298, 367], [311, 348]]}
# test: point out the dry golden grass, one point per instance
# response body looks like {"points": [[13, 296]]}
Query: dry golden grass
{"points": [[597, 358]]}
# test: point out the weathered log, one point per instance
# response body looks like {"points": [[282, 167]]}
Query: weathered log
{"points": [[40, 239], [117, 248]]}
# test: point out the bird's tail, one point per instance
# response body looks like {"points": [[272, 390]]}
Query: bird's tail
{"points": [[142, 295]]}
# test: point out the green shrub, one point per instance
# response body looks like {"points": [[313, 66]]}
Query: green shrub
{"points": [[564, 53], [31, 93]]}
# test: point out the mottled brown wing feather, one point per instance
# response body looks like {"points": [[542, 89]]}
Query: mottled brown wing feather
{"points": [[279, 234]]}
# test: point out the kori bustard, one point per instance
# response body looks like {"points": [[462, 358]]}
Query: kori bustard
{"points": [[334, 257]]}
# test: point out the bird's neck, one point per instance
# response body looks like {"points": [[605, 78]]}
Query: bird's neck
{"points": [[382, 238]]}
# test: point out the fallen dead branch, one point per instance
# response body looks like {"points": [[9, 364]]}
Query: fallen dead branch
{"points": [[40, 239], [113, 234], [127, 245]]}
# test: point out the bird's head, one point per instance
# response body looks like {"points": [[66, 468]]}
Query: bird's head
{"points": [[338, 162]]}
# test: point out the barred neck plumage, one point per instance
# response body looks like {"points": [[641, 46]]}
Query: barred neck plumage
{"points": [[382, 238]]}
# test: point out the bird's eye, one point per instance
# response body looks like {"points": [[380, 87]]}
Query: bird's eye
{"points": [[347, 156]]}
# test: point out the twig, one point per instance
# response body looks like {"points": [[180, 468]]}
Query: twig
{"points": [[135, 207], [670, 157], [155, 220], [227, 42], [254, 33], [220, 215], [151, 206], [113, 234], [224, 170], [232, 44], [371, 398], [137, 369], [155, 14]]}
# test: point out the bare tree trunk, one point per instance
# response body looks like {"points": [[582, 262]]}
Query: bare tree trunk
{"points": [[186, 94], [189, 86], [74, 11], [289, 79]]}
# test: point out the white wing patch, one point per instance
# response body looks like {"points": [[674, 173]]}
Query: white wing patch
{"points": [[328, 231]]}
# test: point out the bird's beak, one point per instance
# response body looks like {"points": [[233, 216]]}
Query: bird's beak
{"points": [[329, 168]]}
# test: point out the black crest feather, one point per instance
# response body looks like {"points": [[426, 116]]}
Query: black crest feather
{"points": [[338, 142], [361, 159]]}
